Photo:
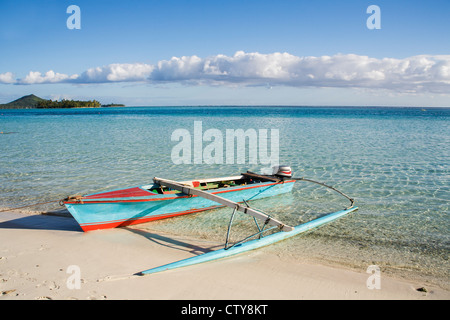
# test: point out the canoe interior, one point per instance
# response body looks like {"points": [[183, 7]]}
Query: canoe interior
{"points": [[205, 184]]}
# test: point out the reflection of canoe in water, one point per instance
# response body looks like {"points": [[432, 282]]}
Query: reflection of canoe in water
{"points": [[123, 207]]}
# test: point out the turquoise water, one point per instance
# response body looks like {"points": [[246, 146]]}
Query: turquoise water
{"points": [[394, 161]]}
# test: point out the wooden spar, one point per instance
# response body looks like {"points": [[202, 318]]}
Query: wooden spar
{"points": [[251, 245], [258, 176], [234, 205]]}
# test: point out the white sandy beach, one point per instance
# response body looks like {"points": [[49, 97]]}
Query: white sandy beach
{"points": [[36, 253]]}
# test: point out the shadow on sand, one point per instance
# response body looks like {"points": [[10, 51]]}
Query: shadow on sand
{"points": [[12, 220], [173, 243]]}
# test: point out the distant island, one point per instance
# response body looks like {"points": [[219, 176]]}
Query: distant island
{"points": [[47, 104], [34, 102]]}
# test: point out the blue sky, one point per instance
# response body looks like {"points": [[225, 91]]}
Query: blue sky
{"points": [[236, 52]]}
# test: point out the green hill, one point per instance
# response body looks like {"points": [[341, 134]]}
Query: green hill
{"points": [[27, 102], [31, 102]]}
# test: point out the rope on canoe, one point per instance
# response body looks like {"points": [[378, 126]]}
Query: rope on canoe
{"points": [[30, 205], [61, 203], [330, 187]]}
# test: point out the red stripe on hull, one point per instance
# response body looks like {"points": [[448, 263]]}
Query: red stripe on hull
{"points": [[115, 224], [131, 192]]}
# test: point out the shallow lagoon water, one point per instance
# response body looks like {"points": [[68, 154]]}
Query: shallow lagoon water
{"points": [[393, 161]]}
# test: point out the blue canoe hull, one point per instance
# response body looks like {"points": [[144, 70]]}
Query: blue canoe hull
{"points": [[118, 208]]}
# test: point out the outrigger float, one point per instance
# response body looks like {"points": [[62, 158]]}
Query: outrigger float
{"points": [[166, 198]]}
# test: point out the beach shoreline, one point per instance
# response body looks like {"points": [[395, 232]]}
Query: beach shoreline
{"points": [[43, 257]]}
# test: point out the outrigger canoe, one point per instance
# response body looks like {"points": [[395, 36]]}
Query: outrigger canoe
{"points": [[139, 204], [167, 198]]}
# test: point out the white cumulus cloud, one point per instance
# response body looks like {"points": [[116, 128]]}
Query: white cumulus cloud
{"points": [[7, 77], [420, 73], [35, 77], [423, 73], [116, 72], [242, 67]]}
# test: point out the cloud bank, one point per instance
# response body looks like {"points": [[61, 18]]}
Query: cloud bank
{"points": [[423, 73]]}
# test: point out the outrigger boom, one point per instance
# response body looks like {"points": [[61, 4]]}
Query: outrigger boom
{"points": [[247, 244]]}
